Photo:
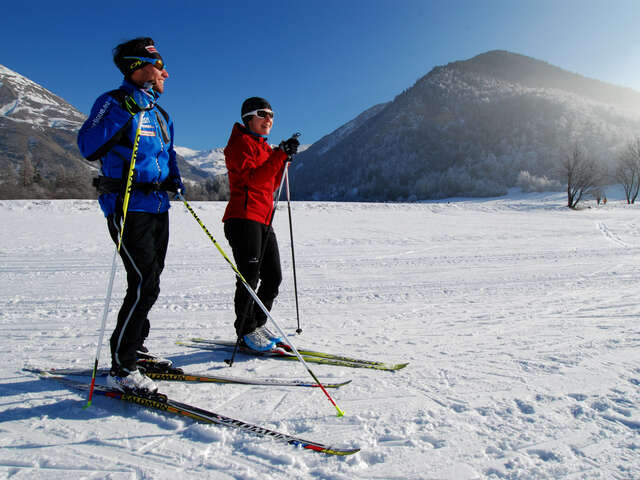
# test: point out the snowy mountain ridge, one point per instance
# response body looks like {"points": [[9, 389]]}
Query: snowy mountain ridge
{"points": [[470, 128], [329, 141], [38, 133], [22, 100], [211, 161]]}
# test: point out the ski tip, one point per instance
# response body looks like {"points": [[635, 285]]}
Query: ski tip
{"points": [[394, 367], [342, 384], [340, 451]]}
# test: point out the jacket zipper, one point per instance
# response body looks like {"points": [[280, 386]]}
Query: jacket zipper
{"points": [[158, 126]]}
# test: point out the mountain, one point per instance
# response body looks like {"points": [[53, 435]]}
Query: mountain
{"points": [[39, 156], [38, 141], [24, 101], [210, 161], [470, 128]]}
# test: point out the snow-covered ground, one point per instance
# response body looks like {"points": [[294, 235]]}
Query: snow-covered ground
{"points": [[519, 318]]}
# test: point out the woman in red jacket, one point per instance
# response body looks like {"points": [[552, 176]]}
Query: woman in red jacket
{"points": [[255, 171]]}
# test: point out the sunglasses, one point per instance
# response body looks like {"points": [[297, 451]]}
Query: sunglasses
{"points": [[156, 62], [262, 113]]}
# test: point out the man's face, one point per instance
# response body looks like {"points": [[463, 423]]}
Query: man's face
{"points": [[150, 74]]}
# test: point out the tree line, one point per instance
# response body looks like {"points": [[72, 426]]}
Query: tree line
{"points": [[28, 182], [586, 175]]}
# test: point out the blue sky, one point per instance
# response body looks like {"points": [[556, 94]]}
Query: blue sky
{"points": [[319, 63]]}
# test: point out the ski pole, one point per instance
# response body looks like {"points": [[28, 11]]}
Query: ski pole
{"points": [[132, 166], [102, 328], [125, 206], [258, 301], [293, 253]]}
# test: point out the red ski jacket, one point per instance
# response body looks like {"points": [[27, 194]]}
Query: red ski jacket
{"points": [[255, 171]]}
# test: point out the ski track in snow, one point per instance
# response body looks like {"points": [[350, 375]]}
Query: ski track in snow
{"points": [[519, 319]]}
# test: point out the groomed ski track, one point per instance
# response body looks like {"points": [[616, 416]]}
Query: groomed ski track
{"points": [[519, 319]]}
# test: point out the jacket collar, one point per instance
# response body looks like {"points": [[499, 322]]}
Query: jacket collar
{"points": [[150, 95], [248, 131]]}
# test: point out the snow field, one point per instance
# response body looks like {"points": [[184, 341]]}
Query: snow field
{"points": [[519, 318]]}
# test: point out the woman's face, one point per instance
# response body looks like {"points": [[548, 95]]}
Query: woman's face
{"points": [[261, 125]]}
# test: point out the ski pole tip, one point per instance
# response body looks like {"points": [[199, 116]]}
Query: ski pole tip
{"points": [[340, 412]]}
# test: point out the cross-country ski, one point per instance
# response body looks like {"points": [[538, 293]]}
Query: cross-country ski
{"points": [[177, 375], [162, 403], [283, 352]]}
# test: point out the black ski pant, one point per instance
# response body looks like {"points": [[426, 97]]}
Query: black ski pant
{"points": [[143, 251], [248, 239]]}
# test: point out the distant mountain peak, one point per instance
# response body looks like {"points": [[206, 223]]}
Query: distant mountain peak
{"points": [[22, 100], [515, 68], [211, 161]]}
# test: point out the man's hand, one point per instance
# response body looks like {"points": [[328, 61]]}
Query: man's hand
{"points": [[173, 184], [131, 106], [177, 181]]}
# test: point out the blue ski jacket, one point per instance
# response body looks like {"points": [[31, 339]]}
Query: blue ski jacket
{"points": [[108, 135]]}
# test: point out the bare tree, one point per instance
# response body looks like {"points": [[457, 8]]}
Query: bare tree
{"points": [[28, 172], [628, 170], [582, 175], [9, 184]]}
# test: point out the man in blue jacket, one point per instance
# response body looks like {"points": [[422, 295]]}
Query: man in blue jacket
{"points": [[108, 135]]}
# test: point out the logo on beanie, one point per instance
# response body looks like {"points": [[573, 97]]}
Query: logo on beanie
{"points": [[151, 49], [136, 64]]}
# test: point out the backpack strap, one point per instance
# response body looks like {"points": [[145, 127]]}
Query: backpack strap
{"points": [[163, 112], [119, 94]]}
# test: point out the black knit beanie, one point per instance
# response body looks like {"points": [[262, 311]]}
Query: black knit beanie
{"points": [[251, 104], [138, 47]]}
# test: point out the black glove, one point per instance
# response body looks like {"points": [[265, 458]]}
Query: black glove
{"points": [[131, 106], [290, 147], [173, 184], [177, 181]]}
